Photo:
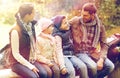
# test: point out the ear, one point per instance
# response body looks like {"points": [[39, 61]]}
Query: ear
{"points": [[93, 16]]}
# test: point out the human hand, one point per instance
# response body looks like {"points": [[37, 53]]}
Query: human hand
{"points": [[100, 64], [35, 70], [64, 71], [116, 49], [50, 64]]}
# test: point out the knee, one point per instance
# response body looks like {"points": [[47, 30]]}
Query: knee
{"points": [[93, 68], [32, 76], [43, 74], [111, 67], [56, 72], [71, 71], [83, 67]]}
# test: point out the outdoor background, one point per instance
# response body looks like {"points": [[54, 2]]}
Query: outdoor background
{"points": [[108, 11]]}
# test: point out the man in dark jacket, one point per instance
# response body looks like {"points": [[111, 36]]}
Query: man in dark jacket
{"points": [[87, 32]]}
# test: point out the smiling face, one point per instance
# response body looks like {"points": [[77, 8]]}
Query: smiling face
{"points": [[64, 25], [88, 12], [87, 17]]}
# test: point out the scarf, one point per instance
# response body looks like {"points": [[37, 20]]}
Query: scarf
{"points": [[96, 23], [32, 43]]}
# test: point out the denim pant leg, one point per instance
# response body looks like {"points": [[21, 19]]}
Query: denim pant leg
{"points": [[80, 66], [23, 71], [56, 70], [91, 65], [48, 70], [70, 68], [42, 72], [107, 69]]}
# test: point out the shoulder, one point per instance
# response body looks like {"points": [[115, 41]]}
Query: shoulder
{"points": [[14, 29], [75, 19]]}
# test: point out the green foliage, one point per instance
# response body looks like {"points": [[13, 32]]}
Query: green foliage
{"points": [[109, 12], [7, 12], [7, 17], [116, 16]]}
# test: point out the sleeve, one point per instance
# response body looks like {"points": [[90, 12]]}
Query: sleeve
{"points": [[55, 51], [73, 20], [103, 42], [40, 58], [59, 52], [15, 50]]}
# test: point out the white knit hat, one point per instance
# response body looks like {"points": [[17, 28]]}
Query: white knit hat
{"points": [[44, 23]]}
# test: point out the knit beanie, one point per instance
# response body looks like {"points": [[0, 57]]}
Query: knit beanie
{"points": [[44, 23], [57, 20]]}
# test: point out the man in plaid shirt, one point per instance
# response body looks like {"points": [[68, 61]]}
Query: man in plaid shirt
{"points": [[87, 32]]}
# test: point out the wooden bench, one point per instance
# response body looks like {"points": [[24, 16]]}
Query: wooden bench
{"points": [[8, 73]]}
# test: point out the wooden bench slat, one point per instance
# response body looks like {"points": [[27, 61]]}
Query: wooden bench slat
{"points": [[8, 73]]}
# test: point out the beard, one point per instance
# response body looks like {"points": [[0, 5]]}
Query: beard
{"points": [[87, 20]]}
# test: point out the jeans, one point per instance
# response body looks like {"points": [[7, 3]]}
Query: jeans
{"points": [[70, 69], [92, 66], [25, 72], [80, 67], [53, 72], [107, 69]]}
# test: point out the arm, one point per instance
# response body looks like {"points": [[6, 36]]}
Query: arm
{"points": [[15, 50], [103, 43], [59, 52], [104, 48]]}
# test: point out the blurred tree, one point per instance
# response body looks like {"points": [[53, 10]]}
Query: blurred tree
{"points": [[106, 9], [109, 12], [115, 18]]}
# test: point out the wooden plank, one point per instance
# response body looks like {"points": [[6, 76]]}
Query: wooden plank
{"points": [[8, 73]]}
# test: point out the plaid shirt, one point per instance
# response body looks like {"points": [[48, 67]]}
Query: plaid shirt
{"points": [[83, 44], [86, 46]]}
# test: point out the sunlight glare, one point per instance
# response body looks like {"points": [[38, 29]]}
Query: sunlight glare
{"points": [[6, 2]]}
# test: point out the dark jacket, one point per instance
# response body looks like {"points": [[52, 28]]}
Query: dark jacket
{"points": [[24, 42], [64, 34]]}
